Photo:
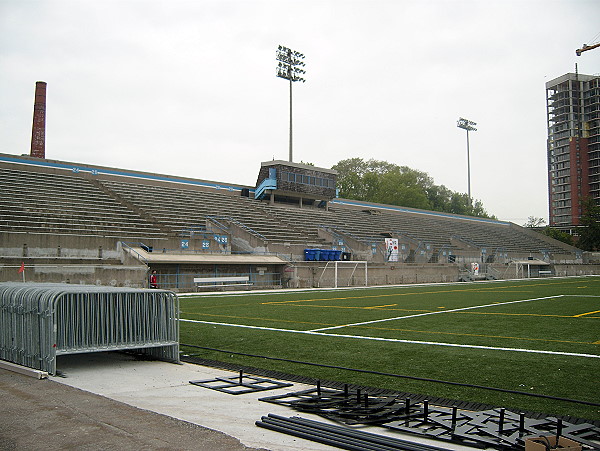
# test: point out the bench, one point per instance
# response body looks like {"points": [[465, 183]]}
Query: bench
{"points": [[225, 281], [544, 272]]}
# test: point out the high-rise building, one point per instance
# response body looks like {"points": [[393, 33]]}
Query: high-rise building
{"points": [[573, 114]]}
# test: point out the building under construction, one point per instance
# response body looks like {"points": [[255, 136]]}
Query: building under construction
{"points": [[573, 112]]}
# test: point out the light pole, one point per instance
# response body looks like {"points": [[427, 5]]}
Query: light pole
{"points": [[469, 126], [288, 67]]}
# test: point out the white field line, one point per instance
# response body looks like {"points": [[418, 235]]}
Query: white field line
{"points": [[405, 285], [394, 340], [433, 313]]}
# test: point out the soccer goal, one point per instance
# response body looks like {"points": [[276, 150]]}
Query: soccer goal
{"points": [[340, 271]]}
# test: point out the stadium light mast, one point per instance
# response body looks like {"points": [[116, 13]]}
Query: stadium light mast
{"points": [[289, 67], [469, 126]]}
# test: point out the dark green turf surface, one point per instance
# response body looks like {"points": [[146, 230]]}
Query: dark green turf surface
{"points": [[568, 321]]}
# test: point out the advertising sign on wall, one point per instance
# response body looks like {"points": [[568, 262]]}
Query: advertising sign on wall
{"points": [[391, 249]]}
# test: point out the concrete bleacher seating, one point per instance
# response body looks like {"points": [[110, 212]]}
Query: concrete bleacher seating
{"points": [[46, 203], [178, 209], [72, 223], [430, 228]]}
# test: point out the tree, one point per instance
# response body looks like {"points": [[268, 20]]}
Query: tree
{"points": [[589, 234], [402, 186], [536, 223], [387, 183], [532, 222], [557, 235]]}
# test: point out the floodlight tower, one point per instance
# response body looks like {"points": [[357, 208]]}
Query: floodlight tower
{"points": [[289, 67], [469, 126]]}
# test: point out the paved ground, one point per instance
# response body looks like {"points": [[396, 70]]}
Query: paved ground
{"points": [[113, 401], [45, 414]]}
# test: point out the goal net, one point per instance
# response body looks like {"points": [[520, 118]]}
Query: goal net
{"points": [[342, 273]]}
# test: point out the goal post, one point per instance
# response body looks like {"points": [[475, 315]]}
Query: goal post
{"points": [[344, 271]]}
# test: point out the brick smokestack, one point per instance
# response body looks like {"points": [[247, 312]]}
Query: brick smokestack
{"points": [[38, 132]]}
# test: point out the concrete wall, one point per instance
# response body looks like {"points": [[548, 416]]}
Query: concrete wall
{"points": [[98, 261], [591, 257], [76, 273], [577, 270], [314, 274], [70, 245], [301, 275]]}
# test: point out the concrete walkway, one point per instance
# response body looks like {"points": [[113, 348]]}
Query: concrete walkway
{"points": [[114, 401]]}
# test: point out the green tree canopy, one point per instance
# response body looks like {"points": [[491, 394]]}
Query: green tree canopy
{"points": [[589, 235], [557, 235], [536, 223], [387, 183]]}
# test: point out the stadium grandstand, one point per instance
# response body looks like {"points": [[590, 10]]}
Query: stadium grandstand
{"points": [[78, 223]]}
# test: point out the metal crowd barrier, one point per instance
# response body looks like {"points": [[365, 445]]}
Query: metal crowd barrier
{"points": [[41, 321]]}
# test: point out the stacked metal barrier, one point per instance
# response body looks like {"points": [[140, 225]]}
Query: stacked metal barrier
{"points": [[40, 321]]}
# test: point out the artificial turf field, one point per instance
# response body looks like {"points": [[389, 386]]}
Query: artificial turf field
{"points": [[535, 335]]}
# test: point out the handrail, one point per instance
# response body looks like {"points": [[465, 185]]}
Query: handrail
{"points": [[139, 256], [466, 240], [281, 255], [336, 235], [406, 235], [265, 185], [340, 231], [249, 229], [217, 223], [241, 225], [191, 230], [493, 272], [422, 244], [546, 254], [444, 247]]}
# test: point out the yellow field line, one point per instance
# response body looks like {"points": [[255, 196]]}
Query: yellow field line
{"points": [[381, 307], [474, 335], [399, 330], [383, 295], [588, 313], [516, 314], [458, 290], [257, 319], [378, 307]]}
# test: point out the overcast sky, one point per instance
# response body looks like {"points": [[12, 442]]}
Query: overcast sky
{"points": [[188, 87]]}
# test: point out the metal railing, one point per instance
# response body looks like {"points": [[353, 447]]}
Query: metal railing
{"points": [[266, 184], [135, 253], [41, 321], [241, 225]]}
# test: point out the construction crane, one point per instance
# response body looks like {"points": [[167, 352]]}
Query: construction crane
{"points": [[585, 48]]}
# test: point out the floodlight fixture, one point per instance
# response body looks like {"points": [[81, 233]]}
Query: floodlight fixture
{"points": [[466, 124], [469, 126], [289, 67]]}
